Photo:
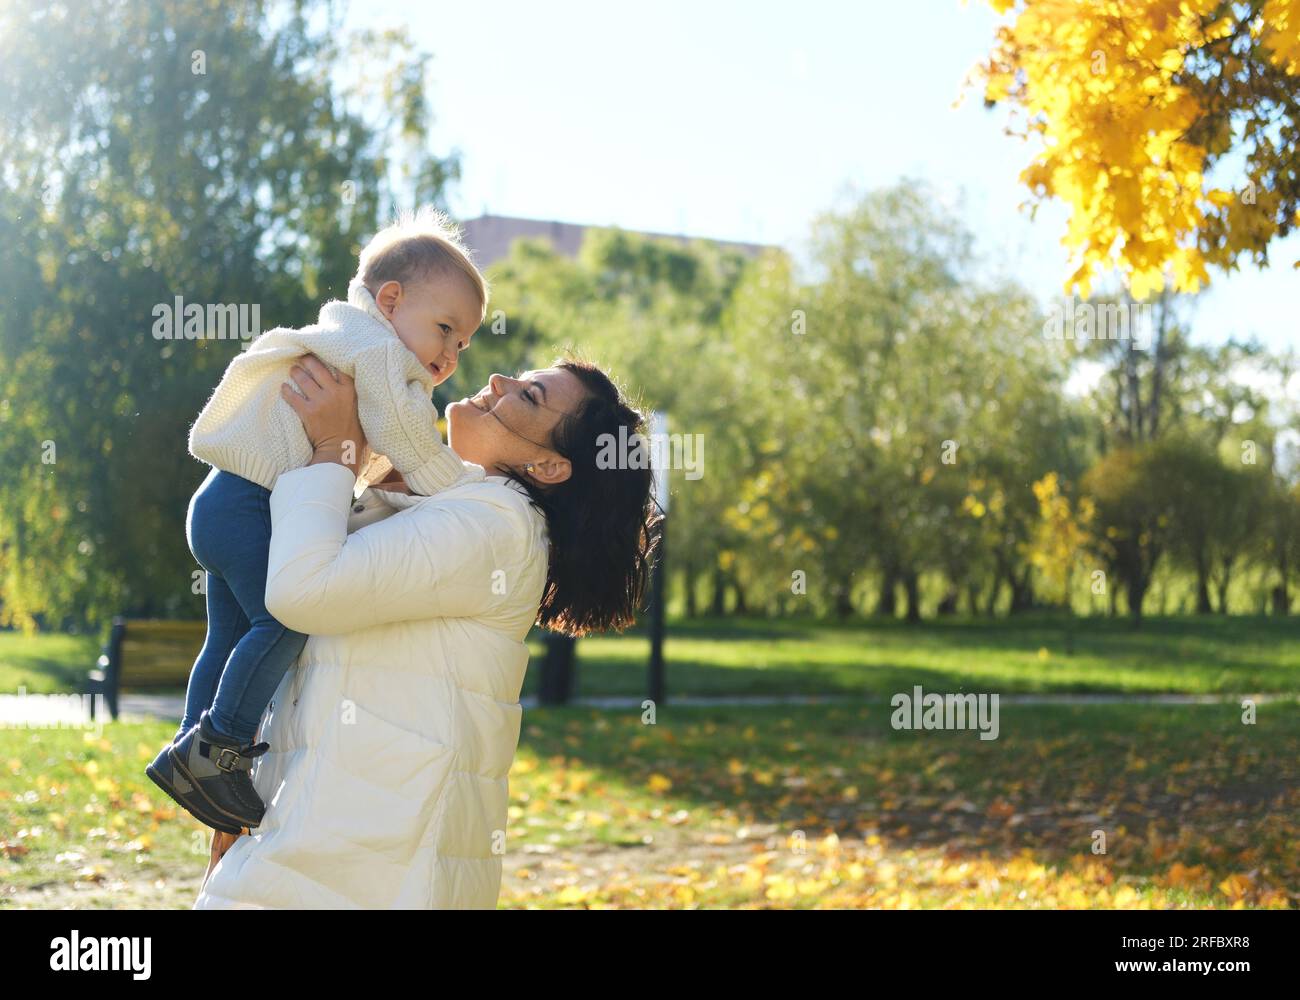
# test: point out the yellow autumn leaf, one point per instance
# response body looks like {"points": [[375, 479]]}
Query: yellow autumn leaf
{"points": [[571, 895]]}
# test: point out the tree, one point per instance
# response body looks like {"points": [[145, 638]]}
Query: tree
{"points": [[906, 382], [1132, 525], [1243, 502], [1281, 540], [1133, 104], [1060, 542], [162, 149], [1141, 395], [650, 310], [1214, 510]]}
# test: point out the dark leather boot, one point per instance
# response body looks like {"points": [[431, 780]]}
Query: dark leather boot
{"points": [[214, 770], [162, 774]]}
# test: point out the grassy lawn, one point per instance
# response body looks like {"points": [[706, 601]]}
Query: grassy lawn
{"points": [[872, 659], [878, 658], [802, 806], [81, 825], [45, 664], [790, 805]]}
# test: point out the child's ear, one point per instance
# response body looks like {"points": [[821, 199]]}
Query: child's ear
{"points": [[389, 294]]}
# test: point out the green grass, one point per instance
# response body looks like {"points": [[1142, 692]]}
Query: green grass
{"points": [[797, 805], [46, 663], [877, 658], [81, 825], [960, 821], [788, 805], [867, 658]]}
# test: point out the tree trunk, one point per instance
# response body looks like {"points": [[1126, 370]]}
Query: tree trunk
{"points": [[1223, 590], [719, 607], [844, 599], [1158, 367], [692, 605], [1137, 592], [1203, 606], [991, 602], [558, 669], [887, 604], [912, 587], [741, 607], [1134, 394], [1022, 591]]}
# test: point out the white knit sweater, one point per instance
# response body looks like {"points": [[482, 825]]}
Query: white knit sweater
{"points": [[248, 429]]}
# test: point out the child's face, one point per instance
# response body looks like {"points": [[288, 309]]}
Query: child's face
{"points": [[435, 319]]}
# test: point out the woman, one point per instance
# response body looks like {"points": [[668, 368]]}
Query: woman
{"points": [[391, 739]]}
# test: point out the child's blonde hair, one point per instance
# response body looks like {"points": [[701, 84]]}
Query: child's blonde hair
{"points": [[416, 246]]}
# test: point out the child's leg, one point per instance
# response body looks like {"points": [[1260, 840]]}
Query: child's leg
{"points": [[253, 672], [227, 624], [231, 536]]}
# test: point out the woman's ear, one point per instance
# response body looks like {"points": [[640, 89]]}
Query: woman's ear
{"points": [[552, 471]]}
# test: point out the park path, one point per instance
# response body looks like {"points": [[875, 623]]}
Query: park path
{"points": [[170, 707]]}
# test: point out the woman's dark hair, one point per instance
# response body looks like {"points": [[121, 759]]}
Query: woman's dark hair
{"points": [[601, 521]]}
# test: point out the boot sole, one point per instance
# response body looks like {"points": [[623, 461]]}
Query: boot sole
{"points": [[225, 826], [184, 772]]}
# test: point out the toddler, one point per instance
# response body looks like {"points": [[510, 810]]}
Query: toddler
{"points": [[413, 306]]}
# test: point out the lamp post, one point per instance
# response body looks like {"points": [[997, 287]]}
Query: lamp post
{"points": [[657, 681]]}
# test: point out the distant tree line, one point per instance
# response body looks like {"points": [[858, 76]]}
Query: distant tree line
{"points": [[887, 428]]}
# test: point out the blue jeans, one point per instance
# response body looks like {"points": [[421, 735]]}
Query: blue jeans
{"points": [[246, 653]]}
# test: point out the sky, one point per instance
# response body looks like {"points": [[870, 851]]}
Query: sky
{"points": [[745, 120]]}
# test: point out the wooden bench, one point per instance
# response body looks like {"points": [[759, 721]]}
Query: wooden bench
{"points": [[146, 654]]}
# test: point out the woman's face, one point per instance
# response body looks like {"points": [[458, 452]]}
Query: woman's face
{"points": [[510, 420]]}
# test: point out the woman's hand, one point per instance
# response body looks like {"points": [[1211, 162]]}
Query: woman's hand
{"points": [[221, 843], [393, 482], [328, 411]]}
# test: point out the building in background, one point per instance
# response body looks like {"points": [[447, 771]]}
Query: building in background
{"points": [[490, 237]]}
